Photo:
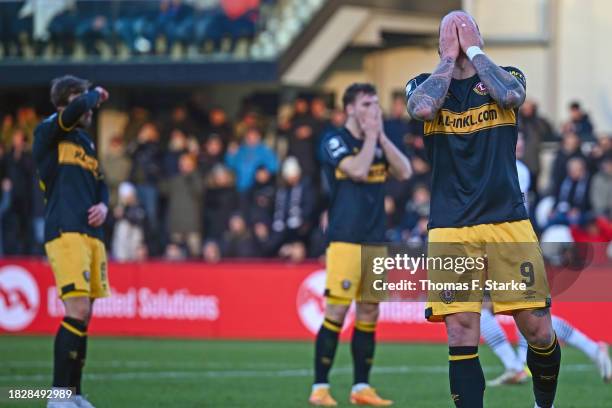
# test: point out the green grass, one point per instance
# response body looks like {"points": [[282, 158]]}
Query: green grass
{"points": [[130, 372]]}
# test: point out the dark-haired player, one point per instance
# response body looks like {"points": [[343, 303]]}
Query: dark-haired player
{"points": [[469, 106], [355, 161], [76, 207]]}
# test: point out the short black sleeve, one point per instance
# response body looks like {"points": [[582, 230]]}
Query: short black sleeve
{"points": [[334, 149], [518, 74], [414, 83]]}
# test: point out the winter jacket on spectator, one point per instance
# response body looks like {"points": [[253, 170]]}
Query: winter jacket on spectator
{"points": [[245, 160], [535, 130], [258, 204], [570, 148], [146, 163], [601, 189], [117, 166], [185, 197], [238, 241]]}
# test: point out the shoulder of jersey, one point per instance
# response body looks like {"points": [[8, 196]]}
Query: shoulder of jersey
{"points": [[415, 82]]}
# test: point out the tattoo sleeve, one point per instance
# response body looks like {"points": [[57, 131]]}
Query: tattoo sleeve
{"points": [[429, 97], [503, 87]]}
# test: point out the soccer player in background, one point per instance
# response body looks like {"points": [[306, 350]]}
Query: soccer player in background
{"points": [[469, 106], [356, 160], [76, 206]]}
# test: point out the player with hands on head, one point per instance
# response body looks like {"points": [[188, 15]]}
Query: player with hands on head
{"points": [[356, 160], [76, 199], [469, 106]]}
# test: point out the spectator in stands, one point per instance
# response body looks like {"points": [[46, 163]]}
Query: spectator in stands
{"points": [[570, 148], [138, 117], [175, 253], [579, 123], [243, 160], [337, 119], [601, 188], [293, 206], [61, 28], [238, 240], [184, 192], [535, 130], [397, 125], [572, 200], [219, 124], [130, 225], [258, 204], [134, 25], [177, 147], [318, 240], [417, 211], [147, 170], [249, 120], [302, 145], [601, 149], [94, 23], [211, 252], [320, 117], [179, 119], [5, 203], [27, 120], [221, 201], [116, 165], [19, 169], [6, 131], [211, 153]]}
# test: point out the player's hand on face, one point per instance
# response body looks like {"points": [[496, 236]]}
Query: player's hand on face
{"points": [[371, 122], [103, 94], [449, 39], [468, 32], [97, 214]]}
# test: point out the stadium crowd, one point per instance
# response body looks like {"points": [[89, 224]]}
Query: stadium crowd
{"points": [[212, 188], [129, 28]]}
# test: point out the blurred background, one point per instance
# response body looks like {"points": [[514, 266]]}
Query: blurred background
{"points": [[236, 94], [216, 229]]}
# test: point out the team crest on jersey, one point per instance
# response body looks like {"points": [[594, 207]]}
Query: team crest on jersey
{"points": [[481, 89], [447, 296]]}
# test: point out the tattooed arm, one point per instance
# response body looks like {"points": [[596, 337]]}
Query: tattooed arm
{"points": [[428, 98], [503, 87], [425, 101]]}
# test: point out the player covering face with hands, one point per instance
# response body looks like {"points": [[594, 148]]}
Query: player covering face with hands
{"points": [[469, 106], [356, 160], [76, 207]]}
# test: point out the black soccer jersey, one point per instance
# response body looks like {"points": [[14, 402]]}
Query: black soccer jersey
{"points": [[356, 209], [471, 147], [68, 169]]}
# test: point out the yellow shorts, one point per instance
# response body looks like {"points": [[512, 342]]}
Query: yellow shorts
{"points": [[344, 271], [79, 265], [511, 255]]}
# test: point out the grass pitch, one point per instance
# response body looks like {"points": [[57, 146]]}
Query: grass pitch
{"points": [[143, 372]]}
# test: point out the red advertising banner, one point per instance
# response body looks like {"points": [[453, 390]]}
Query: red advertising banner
{"points": [[237, 300]]}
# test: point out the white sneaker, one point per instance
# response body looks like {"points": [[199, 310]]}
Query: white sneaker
{"points": [[509, 377], [537, 406], [70, 402], [603, 362], [82, 402], [63, 403]]}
